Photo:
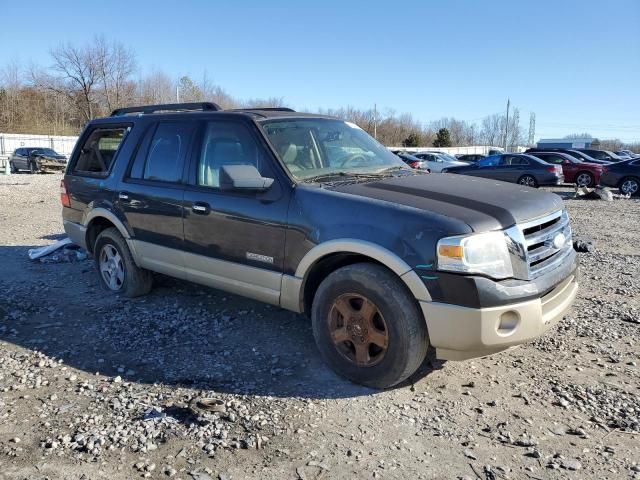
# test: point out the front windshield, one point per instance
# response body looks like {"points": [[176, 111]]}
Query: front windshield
{"points": [[312, 147], [44, 151]]}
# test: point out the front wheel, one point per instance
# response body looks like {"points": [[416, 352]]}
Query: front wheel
{"points": [[117, 270], [12, 167], [528, 181], [585, 179], [630, 186], [368, 327], [33, 167]]}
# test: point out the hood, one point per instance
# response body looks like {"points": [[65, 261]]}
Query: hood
{"points": [[482, 204]]}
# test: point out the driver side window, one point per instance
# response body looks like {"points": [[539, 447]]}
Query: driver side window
{"points": [[227, 143]]}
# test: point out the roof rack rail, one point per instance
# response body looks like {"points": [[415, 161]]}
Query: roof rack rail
{"points": [[168, 107], [264, 109]]}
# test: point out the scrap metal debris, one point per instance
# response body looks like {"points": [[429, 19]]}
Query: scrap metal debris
{"points": [[598, 193], [584, 246], [63, 251]]}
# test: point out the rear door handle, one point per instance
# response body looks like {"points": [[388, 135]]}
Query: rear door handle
{"points": [[200, 208], [124, 196]]}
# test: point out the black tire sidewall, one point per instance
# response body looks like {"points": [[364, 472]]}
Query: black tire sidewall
{"points": [[408, 341]]}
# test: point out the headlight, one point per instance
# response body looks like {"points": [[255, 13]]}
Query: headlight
{"points": [[485, 253]]}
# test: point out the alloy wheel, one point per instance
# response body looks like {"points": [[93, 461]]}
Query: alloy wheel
{"points": [[629, 186], [358, 330], [111, 267], [583, 180], [528, 181]]}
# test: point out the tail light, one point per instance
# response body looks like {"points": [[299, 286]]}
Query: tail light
{"points": [[64, 195], [415, 164], [557, 169], [605, 169]]}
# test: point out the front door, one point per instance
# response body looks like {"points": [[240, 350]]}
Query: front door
{"points": [[234, 240]]}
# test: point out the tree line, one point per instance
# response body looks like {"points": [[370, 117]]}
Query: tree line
{"points": [[91, 80]]}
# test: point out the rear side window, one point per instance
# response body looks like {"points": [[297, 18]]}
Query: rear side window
{"points": [[166, 154], [99, 150]]}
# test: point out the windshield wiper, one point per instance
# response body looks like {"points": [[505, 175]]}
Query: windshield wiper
{"points": [[328, 176]]}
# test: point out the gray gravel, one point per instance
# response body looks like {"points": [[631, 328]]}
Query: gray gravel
{"points": [[193, 383]]}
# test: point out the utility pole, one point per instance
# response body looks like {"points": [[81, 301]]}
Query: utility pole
{"points": [[506, 127], [532, 129], [375, 121]]}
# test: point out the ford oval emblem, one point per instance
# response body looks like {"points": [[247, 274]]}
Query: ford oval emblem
{"points": [[558, 241]]}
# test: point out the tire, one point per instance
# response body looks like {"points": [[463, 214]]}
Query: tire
{"points": [[397, 324], [13, 168], [528, 181], [630, 186], [117, 271], [33, 167], [585, 179]]}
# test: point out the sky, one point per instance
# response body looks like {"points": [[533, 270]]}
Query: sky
{"points": [[576, 64]]}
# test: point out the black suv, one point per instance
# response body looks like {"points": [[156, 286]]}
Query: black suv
{"points": [[310, 213]]}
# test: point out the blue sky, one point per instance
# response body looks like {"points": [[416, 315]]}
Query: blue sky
{"points": [[576, 64]]}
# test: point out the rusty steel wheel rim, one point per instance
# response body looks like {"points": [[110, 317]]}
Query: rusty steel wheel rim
{"points": [[358, 330]]}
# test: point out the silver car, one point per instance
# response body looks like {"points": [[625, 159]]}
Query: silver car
{"points": [[436, 161]]}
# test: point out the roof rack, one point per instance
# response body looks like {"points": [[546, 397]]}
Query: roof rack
{"points": [[168, 107], [264, 109]]}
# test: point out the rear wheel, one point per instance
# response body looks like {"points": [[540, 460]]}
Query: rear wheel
{"points": [[630, 186], [368, 327], [117, 270], [585, 179], [528, 181]]}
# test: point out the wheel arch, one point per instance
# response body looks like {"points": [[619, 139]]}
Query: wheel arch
{"points": [[98, 220], [327, 257]]}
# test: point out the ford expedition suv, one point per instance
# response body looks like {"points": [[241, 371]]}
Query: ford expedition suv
{"points": [[309, 213]]}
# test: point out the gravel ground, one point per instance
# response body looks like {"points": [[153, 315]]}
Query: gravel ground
{"points": [[194, 383]]}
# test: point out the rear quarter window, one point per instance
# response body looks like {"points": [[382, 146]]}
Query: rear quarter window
{"points": [[99, 151]]}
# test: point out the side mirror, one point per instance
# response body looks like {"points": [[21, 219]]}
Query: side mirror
{"points": [[243, 177]]}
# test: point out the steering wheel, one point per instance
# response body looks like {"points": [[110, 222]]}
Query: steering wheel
{"points": [[352, 158]]}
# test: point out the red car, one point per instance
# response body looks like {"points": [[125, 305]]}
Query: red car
{"points": [[583, 174]]}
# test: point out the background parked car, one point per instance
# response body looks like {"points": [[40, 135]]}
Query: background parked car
{"points": [[583, 174], [623, 175], [435, 162], [471, 157], [515, 168], [36, 160], [574, 153], [626, 154], [413, 162], [601, 154]]}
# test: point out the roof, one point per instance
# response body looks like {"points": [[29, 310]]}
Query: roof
{"points": [[566, 140]]}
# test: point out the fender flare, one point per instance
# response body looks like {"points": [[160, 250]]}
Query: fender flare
{"points": [[104, 213], [294, 300]]}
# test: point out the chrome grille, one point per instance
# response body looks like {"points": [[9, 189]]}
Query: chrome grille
{"points": [[538, 246]]}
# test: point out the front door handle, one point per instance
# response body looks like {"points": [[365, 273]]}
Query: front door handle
{"points": [[200, 208]]}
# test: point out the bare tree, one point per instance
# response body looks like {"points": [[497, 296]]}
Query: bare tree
{"points": [[115, 64]]}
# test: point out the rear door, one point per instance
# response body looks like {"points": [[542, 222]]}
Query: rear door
{"points": [[152, 192], [512, 167], [234, 240]]}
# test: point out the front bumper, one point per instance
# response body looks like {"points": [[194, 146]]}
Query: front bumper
{"points": [[460, 333]]}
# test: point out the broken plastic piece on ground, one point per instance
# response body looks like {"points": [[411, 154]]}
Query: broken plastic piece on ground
{"points": [[63, 251], [35, 253], [583, 246], [598, 193]]}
